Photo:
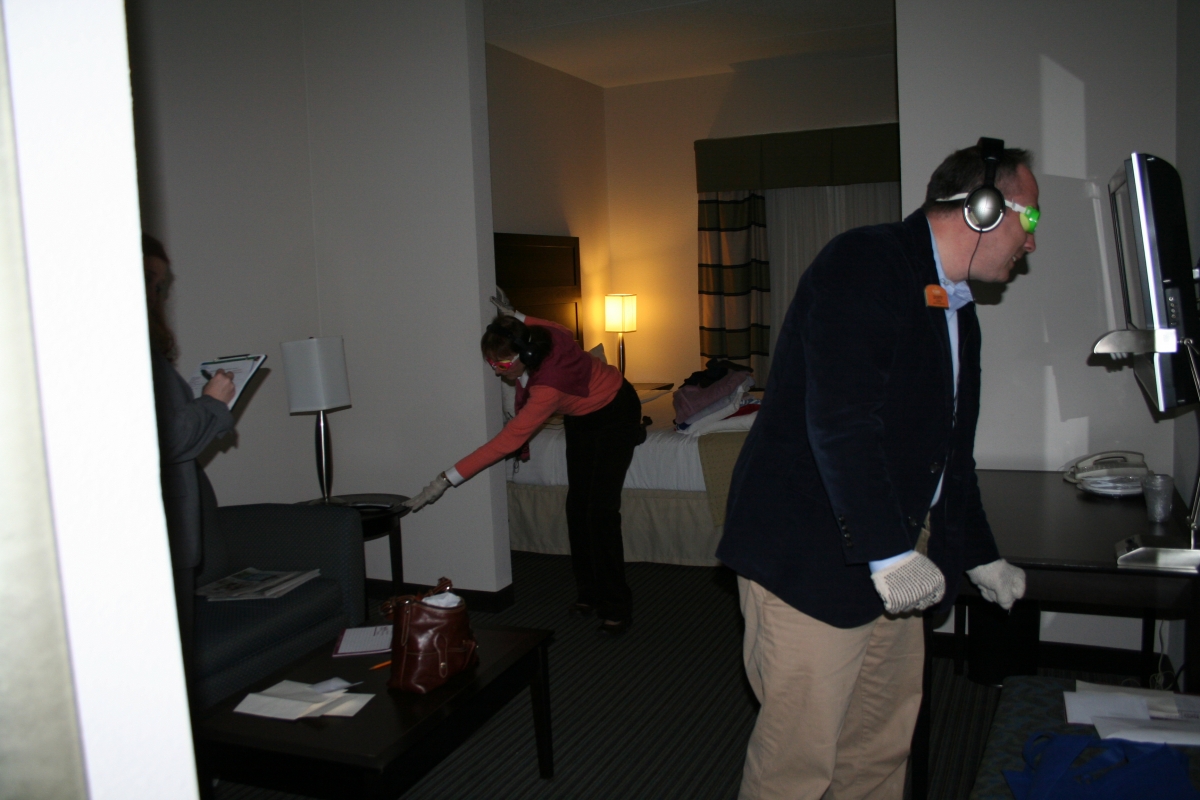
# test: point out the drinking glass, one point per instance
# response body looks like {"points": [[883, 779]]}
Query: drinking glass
{"points": [[1160, 493]]}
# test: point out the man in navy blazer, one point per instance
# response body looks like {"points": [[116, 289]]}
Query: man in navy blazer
{"points": [[854, 503]]}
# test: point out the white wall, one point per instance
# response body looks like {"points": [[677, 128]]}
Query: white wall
{"points": [[322, 169], [650, 131], [74, 130], [548, 167], [1081, 84]]}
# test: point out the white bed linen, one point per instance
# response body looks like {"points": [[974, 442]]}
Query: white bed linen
{"points": [[666, 460], [659, 463]]}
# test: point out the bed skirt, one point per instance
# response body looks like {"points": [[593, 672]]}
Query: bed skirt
{"points": [[660, 525]]}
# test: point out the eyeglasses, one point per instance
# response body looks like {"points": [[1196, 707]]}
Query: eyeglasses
{"points": [[503, 363], [1029, 215]]}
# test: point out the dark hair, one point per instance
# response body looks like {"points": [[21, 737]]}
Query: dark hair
{"points": [[505, 335], [162, 338], [153, 247], [962, 171]]}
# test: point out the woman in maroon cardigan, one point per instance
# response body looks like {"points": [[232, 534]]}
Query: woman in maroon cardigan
{"points": [[553, 375]]}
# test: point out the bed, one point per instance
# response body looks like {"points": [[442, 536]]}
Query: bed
{"points": [[673, 503]]}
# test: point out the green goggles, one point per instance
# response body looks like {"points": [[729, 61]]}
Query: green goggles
{"points": [[1029, 215]]}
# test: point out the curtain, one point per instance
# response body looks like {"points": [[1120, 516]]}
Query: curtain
{"points": [[802, 221], [735, 279]]}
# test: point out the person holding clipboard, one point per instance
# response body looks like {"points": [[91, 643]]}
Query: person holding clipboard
{"points": [[186, 426]]}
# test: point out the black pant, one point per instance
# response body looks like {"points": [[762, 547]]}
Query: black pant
{"points": [[599, 449]]}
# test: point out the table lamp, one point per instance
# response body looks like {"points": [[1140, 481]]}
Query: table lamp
{"points": [[316, 381], [620, 315]]}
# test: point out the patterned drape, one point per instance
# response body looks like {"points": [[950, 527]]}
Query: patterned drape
{"points": [[735, 280]]}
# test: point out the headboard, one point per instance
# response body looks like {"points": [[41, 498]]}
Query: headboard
{"points": [[540, 274]]}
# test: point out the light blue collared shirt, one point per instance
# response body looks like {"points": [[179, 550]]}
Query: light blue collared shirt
{"points": [[959, 294]]}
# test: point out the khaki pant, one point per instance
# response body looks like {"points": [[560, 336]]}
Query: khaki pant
{"points": [[838, 705]]}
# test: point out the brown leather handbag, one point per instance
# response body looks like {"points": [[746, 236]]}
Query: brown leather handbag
{"points": [[429, 644]]}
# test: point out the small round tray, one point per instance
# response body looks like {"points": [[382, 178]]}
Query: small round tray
{"points": [[1113, 485]]}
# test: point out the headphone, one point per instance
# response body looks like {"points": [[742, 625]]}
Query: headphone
{"points": [[521, 345], [983, 206]]}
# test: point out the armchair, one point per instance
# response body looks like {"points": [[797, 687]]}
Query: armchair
{"points": [[239, 642]]}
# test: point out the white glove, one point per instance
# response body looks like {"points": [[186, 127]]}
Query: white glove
{"points": [[999, 582], [502, 304], [430, 493], [911, 584]]}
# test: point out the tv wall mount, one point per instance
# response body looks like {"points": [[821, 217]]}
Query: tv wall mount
{"points": [[1149, 552]]}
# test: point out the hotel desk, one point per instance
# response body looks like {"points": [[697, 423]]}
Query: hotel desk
{"points": [[1064, 539]]}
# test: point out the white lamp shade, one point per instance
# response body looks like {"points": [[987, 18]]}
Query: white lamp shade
{"points": [[620, 312], [315, 370]]}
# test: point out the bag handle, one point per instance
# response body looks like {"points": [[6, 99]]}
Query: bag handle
{"points": [[389, 606]]}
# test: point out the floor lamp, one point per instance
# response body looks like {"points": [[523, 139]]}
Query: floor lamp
{"points": [[316, 381], [620, 315]]}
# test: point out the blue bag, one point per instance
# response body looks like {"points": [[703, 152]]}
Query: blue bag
{"points": [[1119, 770]]}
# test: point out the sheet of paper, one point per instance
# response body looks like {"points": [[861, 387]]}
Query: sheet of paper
{"points": [[293, 690], [241, 368], [361, 641], [292, 700], [1160, 703], [1082, 707], [348, 706], [1189, 706], [332, 685], [276, 707], [320, 709], [1150, 731]]}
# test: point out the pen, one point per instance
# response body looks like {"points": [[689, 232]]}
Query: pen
{"points": [[206, 375], [382, 664]]}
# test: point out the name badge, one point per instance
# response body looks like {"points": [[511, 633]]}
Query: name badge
{"points": [[936, 297]]}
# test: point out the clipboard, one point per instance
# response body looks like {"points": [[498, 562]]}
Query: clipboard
{"points": [[241, 368]]}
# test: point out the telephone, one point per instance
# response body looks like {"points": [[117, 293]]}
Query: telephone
{"points": [[1112, 463]]}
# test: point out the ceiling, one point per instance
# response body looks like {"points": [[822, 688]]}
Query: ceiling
{"points": [[621, 42]]}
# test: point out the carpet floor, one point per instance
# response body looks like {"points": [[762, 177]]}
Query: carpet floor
{"points": [[662, 712]]}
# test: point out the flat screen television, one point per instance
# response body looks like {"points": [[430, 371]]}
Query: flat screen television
{"points": [[1158, 281]]}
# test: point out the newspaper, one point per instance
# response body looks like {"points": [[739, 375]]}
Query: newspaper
{"points": [[255, 584]]}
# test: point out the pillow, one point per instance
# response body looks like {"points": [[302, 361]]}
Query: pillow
{"points": [[598, 352]]}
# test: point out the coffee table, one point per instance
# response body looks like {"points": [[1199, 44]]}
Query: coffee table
{"points": [[394, 740]]}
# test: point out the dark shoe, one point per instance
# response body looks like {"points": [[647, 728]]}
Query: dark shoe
{"points": [[581, 610], [613, 627]]}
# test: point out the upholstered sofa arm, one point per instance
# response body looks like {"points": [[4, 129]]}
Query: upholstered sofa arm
{"points": [[297, 537]]}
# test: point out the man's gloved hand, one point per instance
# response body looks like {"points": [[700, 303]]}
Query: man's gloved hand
{"points": [[999, 582], [911, 584], [502, 304], [430, 493]]}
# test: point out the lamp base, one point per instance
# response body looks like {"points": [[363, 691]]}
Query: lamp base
{"points": [[1149, 552], [332, 500], [324, 447]]}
